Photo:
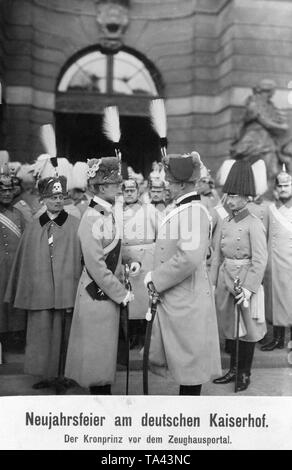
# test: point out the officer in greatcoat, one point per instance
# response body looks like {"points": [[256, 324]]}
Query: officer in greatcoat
{"points": [[241, 252], [44, 281], [185, 334], [92, 351], [279, 272]]}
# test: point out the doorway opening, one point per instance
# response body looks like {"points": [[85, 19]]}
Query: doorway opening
{"points": [[80, 136]]}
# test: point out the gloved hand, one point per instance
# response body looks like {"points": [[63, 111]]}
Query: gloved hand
{"points": [[147, 279], [135, 268], [129, 297], [245, 295]]}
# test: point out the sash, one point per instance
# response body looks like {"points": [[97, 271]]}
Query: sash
{"points": [[280, 218], [111, 262], [10, 225]]}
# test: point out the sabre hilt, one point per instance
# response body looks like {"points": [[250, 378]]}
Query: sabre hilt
{"points": [[153, 299], [238, 290], [127, 277]]}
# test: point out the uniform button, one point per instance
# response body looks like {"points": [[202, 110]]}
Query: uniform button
{"points": [[5, 244], [223, 236], [240, 229], [238, 238], [4, 236], [238, 248]]}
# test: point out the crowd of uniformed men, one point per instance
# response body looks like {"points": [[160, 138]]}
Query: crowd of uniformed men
{"points": [[65, 239]]}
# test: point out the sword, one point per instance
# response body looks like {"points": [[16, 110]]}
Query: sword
{"points": [[150, 315], [237, 290]]}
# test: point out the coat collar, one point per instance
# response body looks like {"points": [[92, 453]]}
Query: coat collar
{"points": [[288, 203], [189, 197], [59, 220], [100, 205], [240, 215]]}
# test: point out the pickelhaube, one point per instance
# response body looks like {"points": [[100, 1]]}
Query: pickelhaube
{"points": [[129, 184], [283, 177], [156, 183], [6, 182], [51, 186]]}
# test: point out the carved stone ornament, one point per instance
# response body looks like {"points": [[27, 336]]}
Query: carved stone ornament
{"points": [[113, 20]]}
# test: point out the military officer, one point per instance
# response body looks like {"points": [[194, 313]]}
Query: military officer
{"points": [[92, 351], [157, 194], [12, 224], [279, 272], [44, 280], [140, 226], [240, 252], [185, 334]]}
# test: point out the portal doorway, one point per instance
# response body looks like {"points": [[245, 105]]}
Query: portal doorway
{"points": [[88, 83], [80, 136]]}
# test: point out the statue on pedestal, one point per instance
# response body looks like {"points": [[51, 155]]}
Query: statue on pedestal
{"points": [[264, 131]]}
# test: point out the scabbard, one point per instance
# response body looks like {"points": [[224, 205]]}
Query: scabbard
{"points": [[125, 322], [147, 348]]}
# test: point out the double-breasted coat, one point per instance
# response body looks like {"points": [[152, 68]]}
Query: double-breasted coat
{"points": [[241, 251], [185, 334], [92, 350]]}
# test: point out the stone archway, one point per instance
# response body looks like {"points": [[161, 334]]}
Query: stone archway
{"points": [[88, 83]]}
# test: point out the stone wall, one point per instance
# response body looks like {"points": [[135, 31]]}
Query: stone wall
{"points": [[208, 52]]}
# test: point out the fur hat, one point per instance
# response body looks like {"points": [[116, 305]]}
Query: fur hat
{"points": [[184, 168], [104, 170], [51, 186], [240, 180]]}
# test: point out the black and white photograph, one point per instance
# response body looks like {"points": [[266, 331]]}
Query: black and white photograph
{"points": [[145, 227]]}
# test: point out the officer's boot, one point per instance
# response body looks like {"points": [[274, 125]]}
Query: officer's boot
{"points": [[278, 339], [190, 390], [100, 389], [246, 352], [230, 376]]}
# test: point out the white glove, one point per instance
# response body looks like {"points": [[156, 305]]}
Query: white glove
{"points": [[245, 295], [129, 297], [147, 279], [213, 289], [135, 268]]}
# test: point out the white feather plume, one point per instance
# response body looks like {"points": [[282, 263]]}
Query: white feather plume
{"points": [[111, 124], [80, 175], [224, 171], [260, 176], [48, 139], [158, 117]]}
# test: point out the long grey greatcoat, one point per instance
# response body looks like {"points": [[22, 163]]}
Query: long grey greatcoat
{"points": [[93, 342], [242, 237], [279, 272], [185, 335]]}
